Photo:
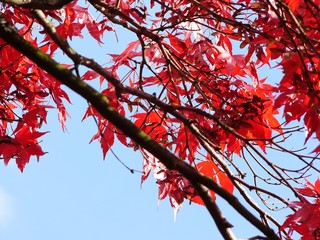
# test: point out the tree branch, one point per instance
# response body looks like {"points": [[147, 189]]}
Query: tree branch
{"points": [[223, 225], [100, 102], [38, 4]]}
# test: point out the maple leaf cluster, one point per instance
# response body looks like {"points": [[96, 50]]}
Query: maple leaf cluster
{"points": [[305, 220], [191, 81], [25, 87], [23, 110]]}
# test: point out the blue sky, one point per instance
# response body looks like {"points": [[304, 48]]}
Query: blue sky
{"points": [[73, 194]]}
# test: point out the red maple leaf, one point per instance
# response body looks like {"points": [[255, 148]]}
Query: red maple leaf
{"points": [[211, 170], [305, 220], [22, 146]]}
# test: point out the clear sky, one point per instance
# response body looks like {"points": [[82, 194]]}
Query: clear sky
{"points": [[73, 194]]}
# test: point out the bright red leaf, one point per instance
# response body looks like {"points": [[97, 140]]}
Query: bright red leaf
{"points": [[305, 220]]}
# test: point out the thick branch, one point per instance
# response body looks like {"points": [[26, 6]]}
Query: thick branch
{"points": [[101, 104], [223, 225], [38, 4]]}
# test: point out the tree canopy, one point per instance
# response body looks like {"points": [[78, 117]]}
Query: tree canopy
{"points": [[193, 91]]}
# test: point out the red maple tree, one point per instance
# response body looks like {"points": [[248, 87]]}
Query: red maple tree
{"points": [[187, 92]]}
